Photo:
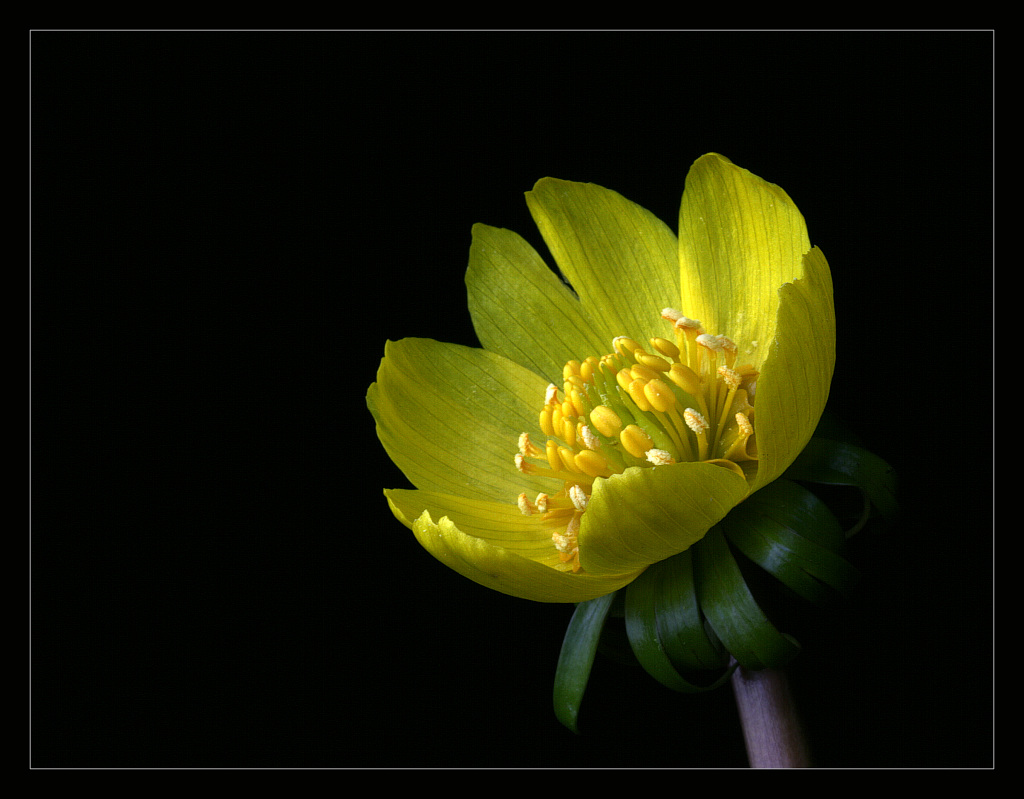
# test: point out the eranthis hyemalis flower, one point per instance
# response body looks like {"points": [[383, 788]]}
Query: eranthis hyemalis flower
{"points": [[608, 424]]}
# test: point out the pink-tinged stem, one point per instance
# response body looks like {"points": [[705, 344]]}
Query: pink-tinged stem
{"points": [[770, 725]]}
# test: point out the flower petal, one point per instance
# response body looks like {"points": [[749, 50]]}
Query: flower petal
{"points": [[496, 546], [450, 417], [795, 377], [740, 239], [643, 516], [521, 309], [620, 259]]}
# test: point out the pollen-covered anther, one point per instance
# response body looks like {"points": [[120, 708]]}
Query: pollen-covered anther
{"points": [[659, 457], [710, 342], [730, 377], [590, 441], [579, 497], [551, 394], [684, 323], [695, 421], [524, 505], [527, 448], [746, 428]]}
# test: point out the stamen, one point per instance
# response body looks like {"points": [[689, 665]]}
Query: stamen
{"points": [[682, 401], [527, 448], [658, 457], [659, 395], [635, 441], [606, 421], [699, 425], [578, 497], [695, 421], [730, 376]]}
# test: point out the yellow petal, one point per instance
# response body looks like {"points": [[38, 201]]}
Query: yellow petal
{"points": [[521, 309], [643, 516], [450, 417], [497, 547], [620, 259], [794, 382], [740, 239]]}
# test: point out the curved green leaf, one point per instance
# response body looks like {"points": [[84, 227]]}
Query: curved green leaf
{"points": [[837, 463], [792, 534], [681, 625], [642, 627], [734, 614], [577, 657]]}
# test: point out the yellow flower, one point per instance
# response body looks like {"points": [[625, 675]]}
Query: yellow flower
{"points": [[603, 428]]}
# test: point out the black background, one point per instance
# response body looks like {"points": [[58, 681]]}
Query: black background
{"points": [[226, 226]]}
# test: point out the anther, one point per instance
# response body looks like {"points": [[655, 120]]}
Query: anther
{"points": [[658, 457], [624, 345], [709, 341], [695, 421], [684, 377], [635, 441], [606, 421], [661, 397], [590, 441], [524, 505], [636, 393], [699, 425], [578, 497], [551, 394], [591, 464], [729, 376], [665, 347], [527, 448], [653, 362]]}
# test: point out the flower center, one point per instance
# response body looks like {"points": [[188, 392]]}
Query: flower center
{"points": [[685, 400]]}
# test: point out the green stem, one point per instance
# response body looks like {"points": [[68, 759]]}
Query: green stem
{"points": [[771, 728]]}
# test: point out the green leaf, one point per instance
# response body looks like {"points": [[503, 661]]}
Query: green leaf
{"points": [[734, 614], [791, 534], [837, 463], [643, 623], [577, 657], [681, 624]]}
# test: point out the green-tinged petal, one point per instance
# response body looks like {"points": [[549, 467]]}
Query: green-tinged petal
{"points": [[645, 515], [797, 372], [496, 546], [740, 239], [450, 417], [521, 309], [620, 259]]}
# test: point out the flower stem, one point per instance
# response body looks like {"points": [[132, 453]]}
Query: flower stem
{"points": [[771, 728]]}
